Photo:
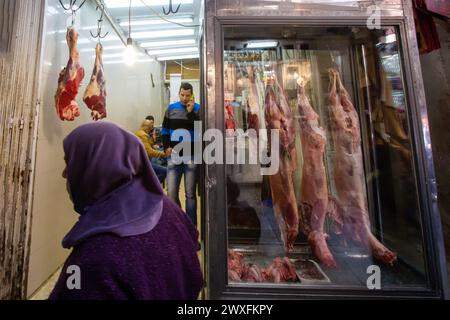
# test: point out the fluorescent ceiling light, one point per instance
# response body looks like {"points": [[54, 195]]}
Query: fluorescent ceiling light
{"points": [[156, 22], [174, 50], [122, 62], [391, 38], [116, 55], [181, 57], [156, 44], [162, 33], [261, 44], [104, 48], [143, 3]]}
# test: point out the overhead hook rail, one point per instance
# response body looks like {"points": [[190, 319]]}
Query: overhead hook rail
{"points": [[171, 9], [70, 7], [99, 35]]}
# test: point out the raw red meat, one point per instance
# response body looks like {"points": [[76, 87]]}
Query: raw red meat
{"points": [[281, 270], [253, 273], [314, 192], [230, 123], [236, 266], [95, 95], [69, 81], [349, 171], [278, 116]]}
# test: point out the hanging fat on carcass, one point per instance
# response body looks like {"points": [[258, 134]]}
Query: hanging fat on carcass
{"points": [[349, 171], [278, 116], [69, 81], [314, 204], [95, 94]]}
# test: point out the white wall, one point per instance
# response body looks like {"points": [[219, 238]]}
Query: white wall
{"points": [[130, 98]]}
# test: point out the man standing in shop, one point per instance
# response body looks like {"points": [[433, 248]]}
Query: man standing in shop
{"points": [[182, 115]]}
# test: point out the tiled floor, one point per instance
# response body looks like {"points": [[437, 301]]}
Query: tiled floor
{"points": [[44, 291]]}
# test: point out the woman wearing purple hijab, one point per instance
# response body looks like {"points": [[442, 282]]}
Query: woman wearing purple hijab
{"points": [[131, 241]]}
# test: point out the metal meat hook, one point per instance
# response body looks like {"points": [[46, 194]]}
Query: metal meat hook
{"points": [[171, 9], [99, 25], [71, 9]]}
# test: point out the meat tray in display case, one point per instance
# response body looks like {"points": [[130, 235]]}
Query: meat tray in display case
{"points": [[330, 189]]}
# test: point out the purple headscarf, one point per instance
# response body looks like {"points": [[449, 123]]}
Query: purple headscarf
{"points": [[111, 183]]}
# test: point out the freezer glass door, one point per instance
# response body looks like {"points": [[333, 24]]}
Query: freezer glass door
{"points": [[321, 181]]}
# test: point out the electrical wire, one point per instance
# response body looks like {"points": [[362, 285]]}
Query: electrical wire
{"points": [[129, 21], [161, 17]]}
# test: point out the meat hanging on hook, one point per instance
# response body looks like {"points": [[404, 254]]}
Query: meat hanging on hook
{"points": [[95, 94], [69, 81]]}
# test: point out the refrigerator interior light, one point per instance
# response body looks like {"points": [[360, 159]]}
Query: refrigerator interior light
{"points": [[261, 44]]}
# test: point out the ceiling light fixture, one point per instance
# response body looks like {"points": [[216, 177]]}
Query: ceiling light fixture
{"points": [[129, 54], [180, 57], [105, 48], [173, 50], [163, 33], [118, 55], [158, 44], [121, 61], [391, 38], [155, 22], [261, 44]]}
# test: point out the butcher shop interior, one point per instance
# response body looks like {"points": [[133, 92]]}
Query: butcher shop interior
{"points": [[137, 84], [329, 92]]}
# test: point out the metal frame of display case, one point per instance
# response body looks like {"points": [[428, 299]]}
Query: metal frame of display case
{"points": [[399, 13]]}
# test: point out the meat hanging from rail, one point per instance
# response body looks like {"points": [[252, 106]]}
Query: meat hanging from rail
{"points": [[69, 81], [349, 171], [95, 94], [278, 116], [314, 190]]}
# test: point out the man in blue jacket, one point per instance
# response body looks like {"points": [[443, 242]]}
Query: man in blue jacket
{"points": [[182, 115]]}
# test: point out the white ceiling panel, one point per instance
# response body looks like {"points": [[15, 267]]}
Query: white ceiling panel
{"points": [[156, 32]]}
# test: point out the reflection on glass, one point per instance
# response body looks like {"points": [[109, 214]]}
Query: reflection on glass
{"points": [[344, 196]]}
